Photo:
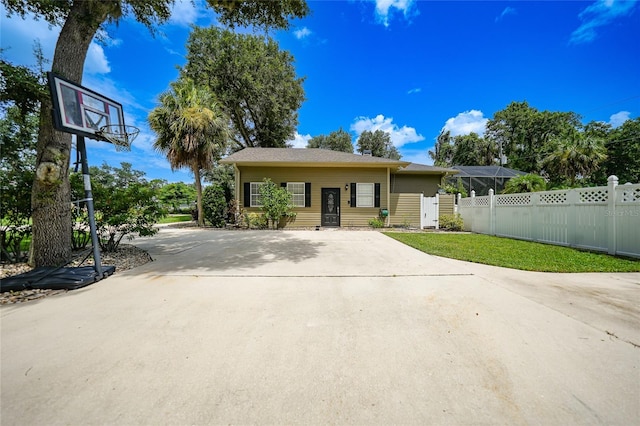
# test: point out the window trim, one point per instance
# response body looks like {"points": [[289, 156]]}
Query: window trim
{"points": [[359, 192], [258, 195], [303, 194]]}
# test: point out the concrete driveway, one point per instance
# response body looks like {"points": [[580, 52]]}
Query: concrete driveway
{"points": [[323, 327]]}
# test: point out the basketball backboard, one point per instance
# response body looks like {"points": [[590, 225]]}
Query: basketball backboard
{"points": [[82, 111]]}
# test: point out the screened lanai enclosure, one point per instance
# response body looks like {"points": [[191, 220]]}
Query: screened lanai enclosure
{"points": [[483, 178]]}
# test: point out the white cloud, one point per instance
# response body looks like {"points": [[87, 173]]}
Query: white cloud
{"points": [[299, 141], [618, 118], [96, 61], [107, 39], [17, 36], [466, 122], [184, 13], [113, 42], [173, 52], [599, 14], [507, 11], [415, 90], [399, 135], [384, 9], [302, 33]]}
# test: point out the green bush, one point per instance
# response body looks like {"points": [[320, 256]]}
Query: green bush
{"points": [[276, 203], [80, 232], [14, 241], [255, 221], [376, 222], [18, 136], [125, 204], [214, 205], [451, 222], [457, 188]]}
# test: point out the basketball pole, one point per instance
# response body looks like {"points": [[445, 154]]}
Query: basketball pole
{"points": [[89, 199]]}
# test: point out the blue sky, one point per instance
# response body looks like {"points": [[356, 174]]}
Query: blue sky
{"points": [[410, 68]]}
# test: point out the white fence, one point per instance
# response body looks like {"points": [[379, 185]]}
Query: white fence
{"points": [[604, 218]]}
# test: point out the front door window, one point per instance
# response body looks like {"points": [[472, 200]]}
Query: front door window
{"points": [[330, 207]]}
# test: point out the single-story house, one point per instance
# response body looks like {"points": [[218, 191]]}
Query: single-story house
{"points": [[332, 188]]}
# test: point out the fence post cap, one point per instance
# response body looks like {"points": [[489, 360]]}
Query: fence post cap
{"points": [[612, 178]]}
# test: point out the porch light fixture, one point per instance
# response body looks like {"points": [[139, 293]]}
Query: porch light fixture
{"points": [[346, 186]]}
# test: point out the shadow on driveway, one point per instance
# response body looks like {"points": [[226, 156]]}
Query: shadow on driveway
{"points": [[190, 251]]}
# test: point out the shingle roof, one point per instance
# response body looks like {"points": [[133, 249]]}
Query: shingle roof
{"points": [[415, 168], [281, 156]]}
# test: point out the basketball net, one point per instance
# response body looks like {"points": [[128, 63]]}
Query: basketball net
{"points": [[119, 135]]}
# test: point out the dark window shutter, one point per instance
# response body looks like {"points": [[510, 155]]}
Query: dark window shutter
{"points": [[307, 194], [247, 194], [376, 197], [353, 194], [283, 185]]}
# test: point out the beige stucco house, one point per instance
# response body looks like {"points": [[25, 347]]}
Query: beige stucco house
{"points": [[332, 188]]}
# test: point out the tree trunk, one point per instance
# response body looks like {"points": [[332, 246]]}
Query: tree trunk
{"points": [[50, 197], [196, 175]]}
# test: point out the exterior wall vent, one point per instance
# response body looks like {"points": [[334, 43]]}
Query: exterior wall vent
{"points": [[366, 152]]}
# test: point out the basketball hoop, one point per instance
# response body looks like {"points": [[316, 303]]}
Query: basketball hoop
{"points": [[120, 135]]}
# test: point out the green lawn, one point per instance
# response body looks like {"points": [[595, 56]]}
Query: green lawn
{"points": [[514, 254], [173, 218]]}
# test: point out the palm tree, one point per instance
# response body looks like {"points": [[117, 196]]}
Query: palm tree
{"points": [[574, 156], [525, 183], [191, 129]]}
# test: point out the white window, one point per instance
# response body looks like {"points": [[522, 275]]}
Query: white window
{"points": [[256, 198], [364, 195], [297, 191]]}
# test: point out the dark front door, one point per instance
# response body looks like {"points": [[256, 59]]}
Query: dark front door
{"points": [[330, 207]]}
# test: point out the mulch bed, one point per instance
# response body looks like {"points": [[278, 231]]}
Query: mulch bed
{"points": [[126, 257]]}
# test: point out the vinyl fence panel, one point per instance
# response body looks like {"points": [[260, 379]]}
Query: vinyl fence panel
{"points": [[513, 216], [627, 219], [605, 218]]}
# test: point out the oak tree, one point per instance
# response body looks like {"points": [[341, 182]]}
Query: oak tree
{"points": [[522, 133], [80, 21], [338, 140], [623, 149], [379, 143], [254, 81]]}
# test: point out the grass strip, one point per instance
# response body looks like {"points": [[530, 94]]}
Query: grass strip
{"points": [[516, 254], [174, 218]]}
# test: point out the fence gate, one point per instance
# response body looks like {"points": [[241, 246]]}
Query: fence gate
{"points": [[429, 212]]}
